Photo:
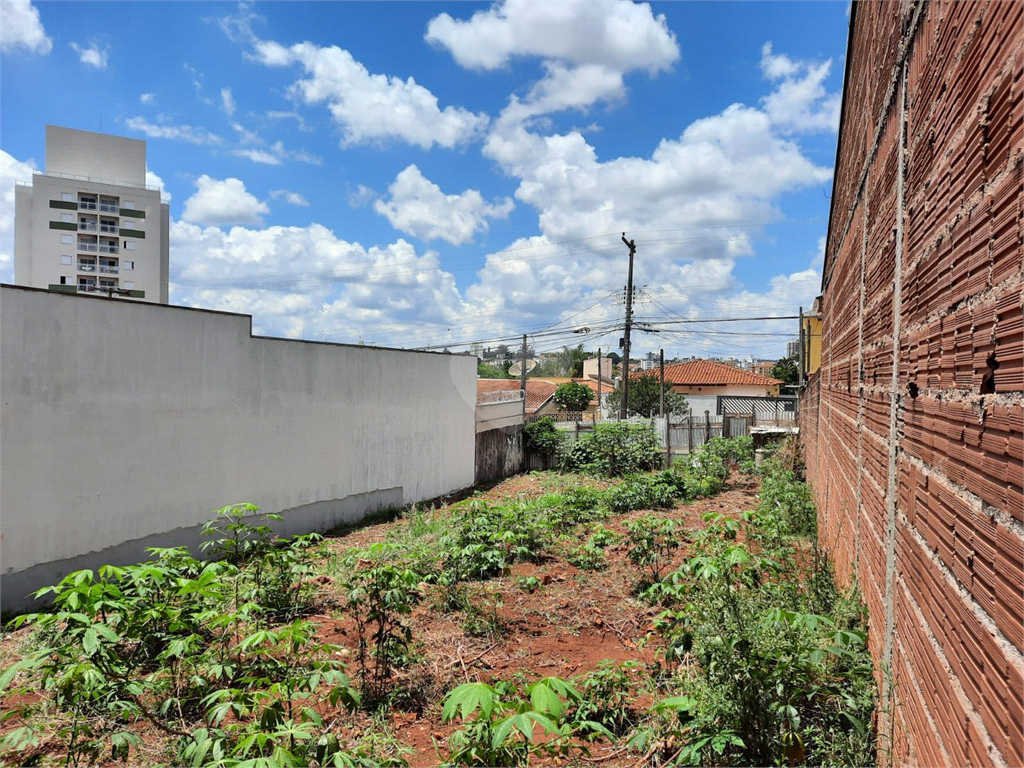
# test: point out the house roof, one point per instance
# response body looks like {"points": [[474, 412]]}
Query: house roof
{"points": [[538, 391], [707, 373]]}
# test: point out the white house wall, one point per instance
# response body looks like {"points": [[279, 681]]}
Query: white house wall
{"points": [[125, 423]]}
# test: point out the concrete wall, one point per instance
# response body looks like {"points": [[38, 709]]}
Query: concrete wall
{"points": [[498, 415], [737, 390], [100, 155], [913, 426], [129, 422]]}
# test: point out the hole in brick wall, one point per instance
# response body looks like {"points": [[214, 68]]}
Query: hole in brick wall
{"points": [[988, 381], [912, 390]]}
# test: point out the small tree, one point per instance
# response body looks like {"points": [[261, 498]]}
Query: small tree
{"points": [[485, 371], [573, 396], [785, 370], [645, 397]]}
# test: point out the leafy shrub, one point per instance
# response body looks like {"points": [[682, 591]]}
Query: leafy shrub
{"points": [[529, 584], [486, 539], [607, 694], [588, 558], [378, 597], [613, 449], [778, 668], [543, 437], [602, 537], [578, 505], [652, 542], [573, 396], [502, 723], [177, 641], [640, 492]]}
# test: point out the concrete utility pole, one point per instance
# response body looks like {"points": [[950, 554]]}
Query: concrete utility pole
{"points": [[665, 416], [522, 377], [599, 382], [623, 406]]}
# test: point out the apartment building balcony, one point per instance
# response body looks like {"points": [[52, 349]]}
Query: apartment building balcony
{"points": [[108, 207], [111, 229], [108, 248], [108, 268], [86, 226], [87, 205], [87, 246]]}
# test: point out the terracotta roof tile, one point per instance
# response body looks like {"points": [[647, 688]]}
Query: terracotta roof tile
{"points": [[706, 373], [538, 391]]}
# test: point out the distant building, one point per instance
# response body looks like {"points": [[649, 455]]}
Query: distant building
{"points": [[89, 222], [812, 338], [793, 349], [707, 377]]}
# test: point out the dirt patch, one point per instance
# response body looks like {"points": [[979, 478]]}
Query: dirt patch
{"points": [[573, 622]]}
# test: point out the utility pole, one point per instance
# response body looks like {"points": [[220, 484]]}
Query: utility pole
{"points": [[522, 377], [623, 406], [661, 409], [599, 412]]}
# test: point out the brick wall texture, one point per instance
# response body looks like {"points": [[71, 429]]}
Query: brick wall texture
{"points": [[912, 427]]}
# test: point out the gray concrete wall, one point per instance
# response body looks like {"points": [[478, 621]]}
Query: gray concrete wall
{"points": [[100, 155], [127, 422]]}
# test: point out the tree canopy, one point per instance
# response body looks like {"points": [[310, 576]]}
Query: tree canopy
{"points": [[785, 370], [645, 400], [573, 396]]}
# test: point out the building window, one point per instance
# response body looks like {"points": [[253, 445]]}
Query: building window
{"points": [[129, 286], [128, 204], [67, 239], [63, 280], [129, 223], [65, 259], [67, 197], [129, 245], [128, 264], [68, 217]]}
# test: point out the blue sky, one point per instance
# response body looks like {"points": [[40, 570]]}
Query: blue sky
{"points": [[424, 173]]}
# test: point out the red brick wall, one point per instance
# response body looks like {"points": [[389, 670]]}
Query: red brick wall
{"points": [[912, 427]]}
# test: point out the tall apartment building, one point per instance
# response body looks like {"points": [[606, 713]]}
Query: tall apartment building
{"points": [[89, 223]]}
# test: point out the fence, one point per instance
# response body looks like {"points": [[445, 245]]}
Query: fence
{"points": [[778, 410]]}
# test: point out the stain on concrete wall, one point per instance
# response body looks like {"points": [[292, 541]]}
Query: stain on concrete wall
{"points": [[912, 427]]}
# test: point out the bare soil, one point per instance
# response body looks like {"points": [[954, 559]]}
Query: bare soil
{"points": [[574, 621]]}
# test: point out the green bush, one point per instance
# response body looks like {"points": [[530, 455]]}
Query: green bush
{"points": [[543, 437], [640, 492], [613, 449], [652, 543]]}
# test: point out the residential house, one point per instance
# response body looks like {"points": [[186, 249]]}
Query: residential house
{"points": [[703, 381], [538, 393]]}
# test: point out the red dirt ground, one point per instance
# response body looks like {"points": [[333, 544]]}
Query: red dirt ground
{"points": [[576, 620]]}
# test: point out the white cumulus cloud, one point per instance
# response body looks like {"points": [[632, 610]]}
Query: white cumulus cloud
{"points": [[92, 55], [175, 132], [292, 198], [153, 180], [227, 101], [220, 202], [418, 207], [11, 170], [147, 98], [258, 156], [20, 27], [800, 101], [617, 34], [371, 107]]}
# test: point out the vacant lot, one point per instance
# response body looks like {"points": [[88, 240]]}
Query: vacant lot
{"points": [[551, 619]]}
